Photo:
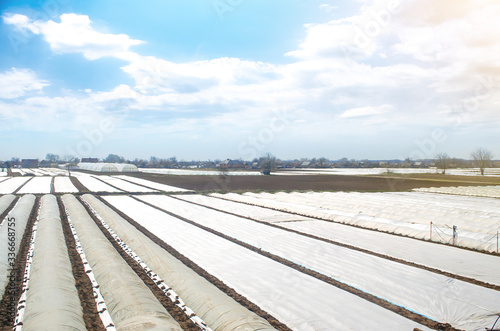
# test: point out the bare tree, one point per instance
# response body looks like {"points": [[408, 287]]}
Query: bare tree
{"points": [[442, 162], [268, 163], [482, 158]]}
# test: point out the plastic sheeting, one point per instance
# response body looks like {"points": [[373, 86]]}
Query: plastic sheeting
{"points": [[296, 299], [130, 302], [11, 235], [441, 298], [219, 311], [52, 299]]}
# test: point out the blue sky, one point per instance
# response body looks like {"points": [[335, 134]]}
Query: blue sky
{"points": [[374, 79]]}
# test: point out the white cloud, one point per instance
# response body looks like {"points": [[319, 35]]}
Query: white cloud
{"points": [[416, 68], [327, 7], [366, 111], [74, 34], [17, 82]]}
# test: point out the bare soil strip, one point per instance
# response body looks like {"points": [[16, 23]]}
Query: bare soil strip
{"points": [[366, 251], [52, 187], [83, 284], [171, 308], [7, 211], [369, 297], [215, 281], [78, 185], [20, 187], [8, 304]]}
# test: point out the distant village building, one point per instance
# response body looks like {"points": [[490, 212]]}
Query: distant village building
{"points": [[226, 164], [29, 163], [90, 160]]}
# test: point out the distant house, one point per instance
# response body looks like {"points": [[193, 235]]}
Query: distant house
{"points": [[29, 163], [228, 163], [305, 164], [90, 160]]}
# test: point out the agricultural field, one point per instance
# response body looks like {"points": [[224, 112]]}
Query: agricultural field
{"points": [[146, 251]]}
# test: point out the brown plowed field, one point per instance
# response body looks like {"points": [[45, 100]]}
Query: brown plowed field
{"points": [[316, 182]]}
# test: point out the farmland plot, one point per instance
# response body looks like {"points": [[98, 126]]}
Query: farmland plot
{"points": [[12, 184], [130, 302], [38, 185], [5, 202], [93, 184], [475, 191], [450, 259], [439, 297], [52, 301], [151, 184], [255, 212], [217, 309], [124, 185], [298, 300], [409, 214], [64, 185], [13, 232]]}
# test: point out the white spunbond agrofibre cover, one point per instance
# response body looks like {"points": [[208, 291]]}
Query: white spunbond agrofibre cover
{"points": [[149, 183], [441, 298], [124, 185], [93, 184], [52, 299], [254, 212], [298, 300], [5, 202], [64, 185], [218, 310], [130, 302], [38, 185], [11, 185], [483, 267], [11, 235]]}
